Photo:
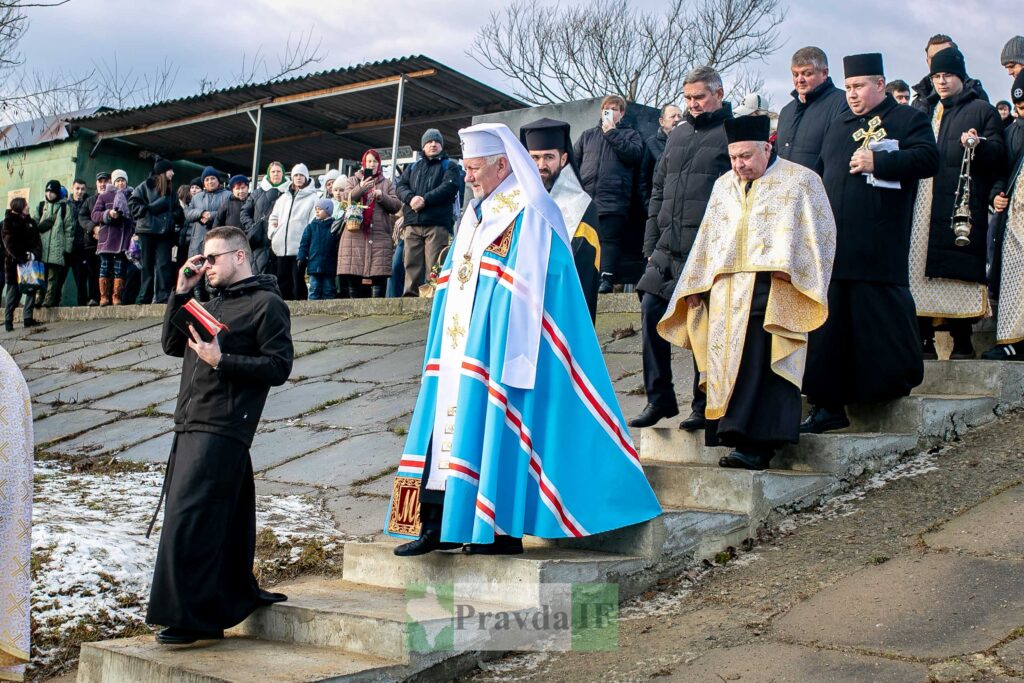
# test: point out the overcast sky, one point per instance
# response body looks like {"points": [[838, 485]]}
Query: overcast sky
{"points": [[208, 38]]}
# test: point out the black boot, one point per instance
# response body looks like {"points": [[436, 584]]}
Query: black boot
{"points": [[928, 351], [694, 422], [824, 419], [606, 285], [173, 635], [503, 545], [8, 326], [428, 542], [651, 414], [963, 349], [268, 598], [747, 459]]}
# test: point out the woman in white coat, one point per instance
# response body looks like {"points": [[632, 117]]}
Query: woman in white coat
{"points": [[292, 212]]}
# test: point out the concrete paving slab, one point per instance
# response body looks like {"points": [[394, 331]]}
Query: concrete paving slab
{"points": [[161, 363], [147, 335], [1012, 655], [167, 407], [156, 392], [297, 399], [16, 346], [68, 330], [64, 424], [343, 463], [56, 380], [129, 358], [32, 374], [30, 356], [114, 436], [116, 329], [112, 382], [155, 450], [265, 487], [631, 344], [623, 365], [358, 516], [305, 323], [609, 322], [408, 332], [347, 328], [381, 486], [403, 365], [328, 362], [779, 663], [368, 411], [996, 527], [86, 354], [284, 443], [932, 606]]}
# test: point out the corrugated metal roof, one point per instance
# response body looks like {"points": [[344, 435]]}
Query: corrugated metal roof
{"points": [[41, 130], [316, 131]]}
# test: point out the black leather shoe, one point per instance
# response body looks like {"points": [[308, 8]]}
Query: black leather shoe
{"points": [[503, 545], [928, 350], [183, 636], [694, 422], [268, 598], [744, 461], [428, 542], [29, 322], [651, 414], [605, 286], [1004, 352], [824, 420], [8, 327]]}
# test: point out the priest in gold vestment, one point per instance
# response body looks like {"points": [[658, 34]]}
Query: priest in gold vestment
{"points": [[755, 284], [15, 519]]}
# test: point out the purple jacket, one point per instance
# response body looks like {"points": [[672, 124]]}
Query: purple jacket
{"points": [[115, 233]]}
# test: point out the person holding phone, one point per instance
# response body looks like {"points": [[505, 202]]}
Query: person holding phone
{"points": [[608, 155], [203, 581]]}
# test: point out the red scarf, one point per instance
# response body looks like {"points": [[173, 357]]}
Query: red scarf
{"points": [[368, 211]]}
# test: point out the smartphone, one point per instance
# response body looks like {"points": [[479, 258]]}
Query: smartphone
{"points": [[367, 173], [608, 115]]}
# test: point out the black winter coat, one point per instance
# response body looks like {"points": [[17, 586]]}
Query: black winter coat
{"points": [[155, 214], [925, 97], [86, 222], [873, 224], [988, 173], [1014, 142], [607, 162], [78, 239], [255, 214], [654, 147], [1015, 160], [803, 125], [439, 183], [256, 352], [696, 155], [20, 236], [231, 212]]}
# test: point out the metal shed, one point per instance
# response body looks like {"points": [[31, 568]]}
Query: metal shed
{"points": [[315, 119]]}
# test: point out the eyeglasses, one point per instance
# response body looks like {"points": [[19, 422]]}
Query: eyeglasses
{"points": [[212, 258]]}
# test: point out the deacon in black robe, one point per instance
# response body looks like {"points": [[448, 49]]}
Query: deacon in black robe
{"points": [[869, 349]]}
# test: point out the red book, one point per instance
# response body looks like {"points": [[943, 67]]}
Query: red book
{"points": [[193, 313]]}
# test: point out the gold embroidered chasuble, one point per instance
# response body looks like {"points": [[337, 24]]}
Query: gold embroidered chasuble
{"points": [[783, 223], [15, 519], [1010, 317]]}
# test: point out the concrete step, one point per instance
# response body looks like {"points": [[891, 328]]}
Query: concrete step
{"points": [[231, 660], [676, 535], [510, 580], [756, 494], [1003, 380], [929, 415], [840, 453], [357, 618]]}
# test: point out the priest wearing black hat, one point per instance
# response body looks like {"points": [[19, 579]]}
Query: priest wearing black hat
{"points": [[549, 145], [871, 161], [1006, 277], [754, 286], [947, 280]]}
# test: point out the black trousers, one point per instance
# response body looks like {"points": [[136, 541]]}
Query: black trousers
{"points": [[961, 329], [764, 409], [203, 578], [611, 231], [158, 276], [657, 353], [869, 349], [290, 279], [84, 267]]}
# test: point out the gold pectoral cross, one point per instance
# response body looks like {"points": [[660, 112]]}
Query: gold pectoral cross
{"points": [[455, 331], [873, 133]]}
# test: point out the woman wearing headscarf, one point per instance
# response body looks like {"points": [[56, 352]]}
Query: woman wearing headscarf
{"points": [[365, 253], [158, 218], [256, 214]]}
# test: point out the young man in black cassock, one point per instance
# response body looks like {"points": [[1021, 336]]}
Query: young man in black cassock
{"points": [[203, 582], [869, 350]]}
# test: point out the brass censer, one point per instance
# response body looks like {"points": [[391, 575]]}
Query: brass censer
{"points": [[962, 206]]}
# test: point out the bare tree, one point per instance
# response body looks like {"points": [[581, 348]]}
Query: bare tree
{"points": [[119, 88], [559, 54]]}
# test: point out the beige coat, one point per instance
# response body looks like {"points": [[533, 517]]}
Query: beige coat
{"points": [[370, 255]]}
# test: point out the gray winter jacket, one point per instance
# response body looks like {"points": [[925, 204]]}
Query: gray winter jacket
{"points": [[204, 201]]}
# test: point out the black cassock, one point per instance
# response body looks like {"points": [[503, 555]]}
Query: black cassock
{"points": [[869, 349], [764, 409], [203, 579]]}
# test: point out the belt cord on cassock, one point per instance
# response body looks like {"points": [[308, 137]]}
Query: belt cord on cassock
{"points": [[163, 489]]}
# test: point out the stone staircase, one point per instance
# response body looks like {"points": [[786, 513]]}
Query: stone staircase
{"points": [[354, 629]]}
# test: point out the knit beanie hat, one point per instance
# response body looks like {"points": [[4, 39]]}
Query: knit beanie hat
{"points": [[117, 174], [238, 180], [432, 135], [162, 166], [332, 175], [1017, 91], [300, 169], [54, 187], [949, 61], [325, 205], [197, 181], [1013, 51], [207, 172]]}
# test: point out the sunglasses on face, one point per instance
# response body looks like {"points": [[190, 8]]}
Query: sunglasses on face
{"points": [[212, 258]]}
